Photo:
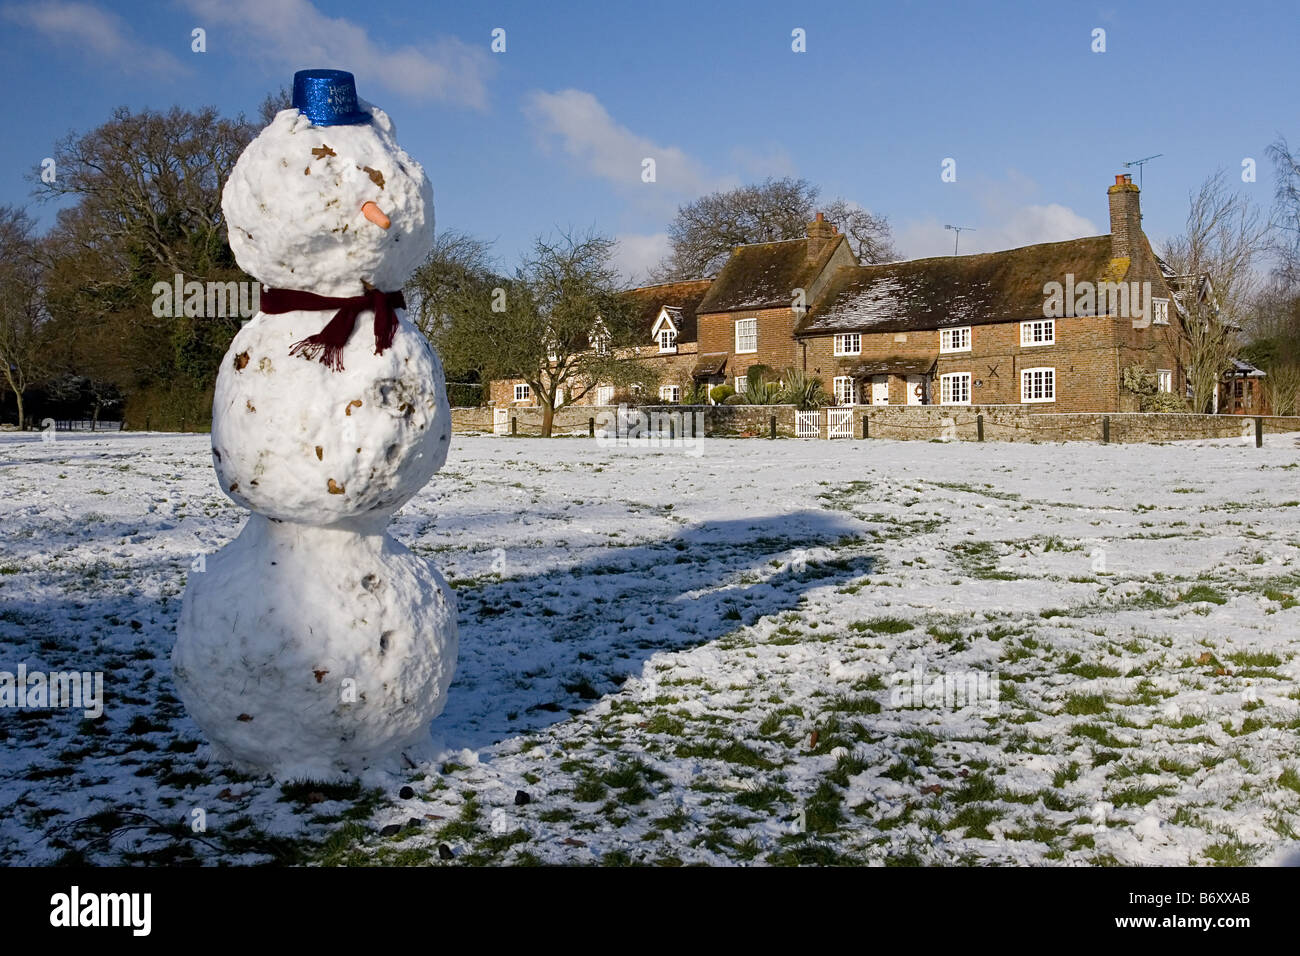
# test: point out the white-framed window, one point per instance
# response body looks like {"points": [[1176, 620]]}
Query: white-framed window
{"points": [[848, 343], [846, 390], [671, 394], [954, 388], [1166, 379], [955, 340], [740, 384], [1038, 332], [634, 388], [604, 394], [523, 392], [747, 335], [1160, 311], [667, 340], [1038, 385]]}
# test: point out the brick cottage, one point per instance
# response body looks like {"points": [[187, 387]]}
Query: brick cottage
{"points": [[1053, 325]]}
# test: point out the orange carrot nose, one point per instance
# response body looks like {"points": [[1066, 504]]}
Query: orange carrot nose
{"points": [[375, 215]]}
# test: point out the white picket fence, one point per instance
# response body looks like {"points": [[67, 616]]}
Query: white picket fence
{"points": [[807, 424], [839, 422]]}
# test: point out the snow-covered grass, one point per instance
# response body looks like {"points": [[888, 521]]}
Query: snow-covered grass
{"points": [[669, 659]]}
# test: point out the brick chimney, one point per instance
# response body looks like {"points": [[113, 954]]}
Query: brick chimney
{"points": [[1125, 219], [820, 232]]}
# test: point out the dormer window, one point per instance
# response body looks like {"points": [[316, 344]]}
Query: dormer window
{"points": [[666, 328]]}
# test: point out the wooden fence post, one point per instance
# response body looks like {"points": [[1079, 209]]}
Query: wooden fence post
{"points": [[591, 428], [979, 427], [1259, 432], [865, 430], [1105, 429], [772, 434], [514, 426]]}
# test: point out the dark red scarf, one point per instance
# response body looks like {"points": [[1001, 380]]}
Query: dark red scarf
{"points": [[328, 342]]}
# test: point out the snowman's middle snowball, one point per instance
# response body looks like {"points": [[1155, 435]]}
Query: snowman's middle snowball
{"points": [[296, 441]]}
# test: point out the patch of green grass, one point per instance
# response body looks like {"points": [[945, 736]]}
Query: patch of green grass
{"points": [[734, 752], [854, 705], [1230, 852], [1095, 732], [975, 820], [1138, 796], [883, 625], [1289, 779], [1255, 659], [1081, 704], [1200, 593]]}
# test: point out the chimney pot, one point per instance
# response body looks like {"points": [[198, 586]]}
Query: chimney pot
{"points": [[1119, 179], [821, 217]]}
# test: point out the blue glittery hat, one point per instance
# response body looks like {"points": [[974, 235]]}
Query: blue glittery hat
{"points": [[327, 97]]}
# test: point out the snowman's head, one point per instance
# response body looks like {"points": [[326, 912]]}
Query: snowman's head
{"points": [[328, 209]]}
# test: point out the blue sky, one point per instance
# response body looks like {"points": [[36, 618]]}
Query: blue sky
{"points": [[552, 132]]}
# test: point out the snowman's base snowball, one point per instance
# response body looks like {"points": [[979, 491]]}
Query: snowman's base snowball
{"points": [[311, 652]]}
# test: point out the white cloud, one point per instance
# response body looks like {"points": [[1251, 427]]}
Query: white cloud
{"points": [[1006, 221], [87, 28], [637, 254], [293, 35], [585, 131]]}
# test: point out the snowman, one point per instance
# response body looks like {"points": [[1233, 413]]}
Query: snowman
{"points": [[314, 645]]}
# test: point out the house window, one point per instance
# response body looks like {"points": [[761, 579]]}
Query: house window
{"points": [[747, 335], [846, 390], [1166, 380], [667, 340], [634, 388], [1038, 385], [523, 393], [1160, 311], [672, 394], [955, 340], [849, 343], [1039, 332], [740, 384], [954, 389]]}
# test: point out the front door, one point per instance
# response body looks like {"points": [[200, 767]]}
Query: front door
{"points": [[880, 390], [916, 389]]}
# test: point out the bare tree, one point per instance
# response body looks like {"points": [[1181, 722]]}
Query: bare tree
{"points": [[21, 311], [705, 231], [1286, 199], [1214, 261], [557, 324], [869, 234]]}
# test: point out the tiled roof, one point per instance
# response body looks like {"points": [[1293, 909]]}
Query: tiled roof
{"points": [[953, 290], [764, 275], [682, 296]]}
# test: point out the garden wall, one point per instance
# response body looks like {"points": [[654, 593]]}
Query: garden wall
{"points": [[908, 422]]}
